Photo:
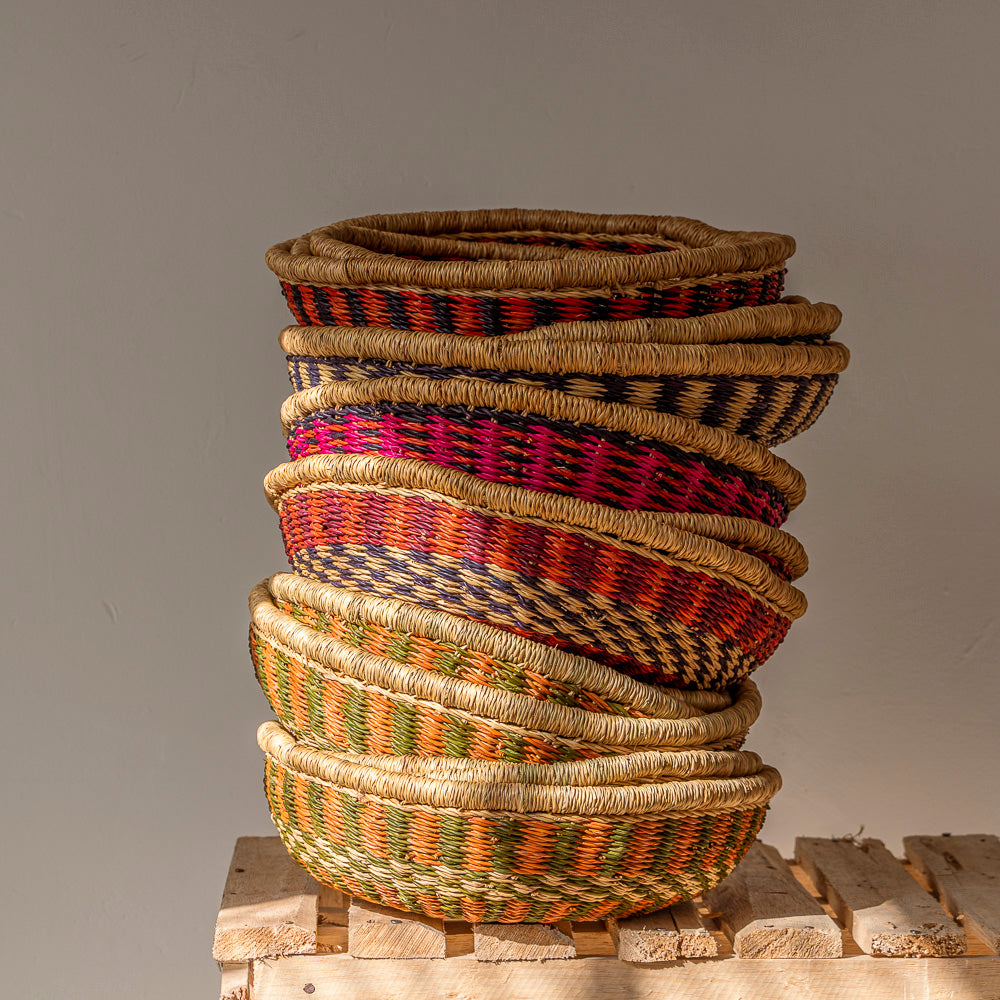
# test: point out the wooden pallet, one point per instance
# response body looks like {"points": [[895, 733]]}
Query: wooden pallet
{"points": [[845, 920]]}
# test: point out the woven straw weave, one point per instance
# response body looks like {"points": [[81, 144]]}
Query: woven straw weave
{"points": [[480, 844]]}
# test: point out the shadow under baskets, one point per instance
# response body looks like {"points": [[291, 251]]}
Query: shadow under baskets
{"points": [[339, 697], [661, 604], [605, 453], [491, 272], [468, 840]]}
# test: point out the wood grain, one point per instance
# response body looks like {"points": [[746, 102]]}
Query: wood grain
{"points": [[338, 977], [887, 912], [768, 914], [965, 873], [269, 905], [523, 942], [375, 931]]}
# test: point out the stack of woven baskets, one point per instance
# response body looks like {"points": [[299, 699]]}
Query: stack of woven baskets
{"points": [[535, 530]]}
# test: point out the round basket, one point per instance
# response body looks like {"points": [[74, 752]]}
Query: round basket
{"points": [[495, 843], [475, 652], [691, 612], [666, 531], [339, 697], [547, 441], [791, 320], [484, 273]]}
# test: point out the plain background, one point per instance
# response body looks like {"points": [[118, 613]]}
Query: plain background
{"points": [[153, 151]]}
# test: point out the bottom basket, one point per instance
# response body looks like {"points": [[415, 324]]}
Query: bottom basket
{"points": [[510, 843]]}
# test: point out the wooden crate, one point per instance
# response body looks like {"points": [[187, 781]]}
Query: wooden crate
{"points": [[845, 920]]}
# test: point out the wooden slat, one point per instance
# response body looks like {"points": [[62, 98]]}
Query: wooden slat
{"points": [[888, 914], [523, 942], [695, 939], [965, 873], [649, 937], [375, 931], [269, 906], [663, 936], [338, 977], [235, 981], [769, 915]]}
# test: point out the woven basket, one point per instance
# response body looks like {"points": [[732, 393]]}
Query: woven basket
{"points": [[691, 612], [791, 320], [658, 530], [766, 392], [339, 697], [473, 651], [547, 441], [485, 273], [506, 843]]}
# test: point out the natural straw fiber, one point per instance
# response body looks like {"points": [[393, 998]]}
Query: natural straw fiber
{"points": [[506, 845], [766, 392], [337, 696], [664, 532], [652, 616], [499, 271], [792, 320], [547, 441], [476, 652]]}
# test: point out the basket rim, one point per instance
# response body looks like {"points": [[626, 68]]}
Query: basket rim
{"points": [[325, 652], [621, 769], [558, 664], [548, 356], [364, 250], [665, 428], [452, 796], [792, 317], [650, 528], [650, 538]]}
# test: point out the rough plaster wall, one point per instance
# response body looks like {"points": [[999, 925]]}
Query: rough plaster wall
{"points": [[153, 151]]}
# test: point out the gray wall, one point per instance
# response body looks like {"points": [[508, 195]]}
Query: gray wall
{"points": [[153, 151]]}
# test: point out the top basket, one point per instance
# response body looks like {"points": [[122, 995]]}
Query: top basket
{"points": [[490, 272]]}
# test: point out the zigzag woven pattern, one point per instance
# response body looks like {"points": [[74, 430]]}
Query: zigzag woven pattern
{"points": [[666, 652], [453, 660], [576, 578], [336, 712], [764, 408], [486, 314], [502, 868], [332, 710], [538, 453]]}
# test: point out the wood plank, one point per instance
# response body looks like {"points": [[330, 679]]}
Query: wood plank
{"points": [[269, 905], [337, 977], [648, 937], [965, 873], [235, 981], [523, 942], [888, 914], [663, 936], [695, 939], [375, 931], [768, 914]]}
